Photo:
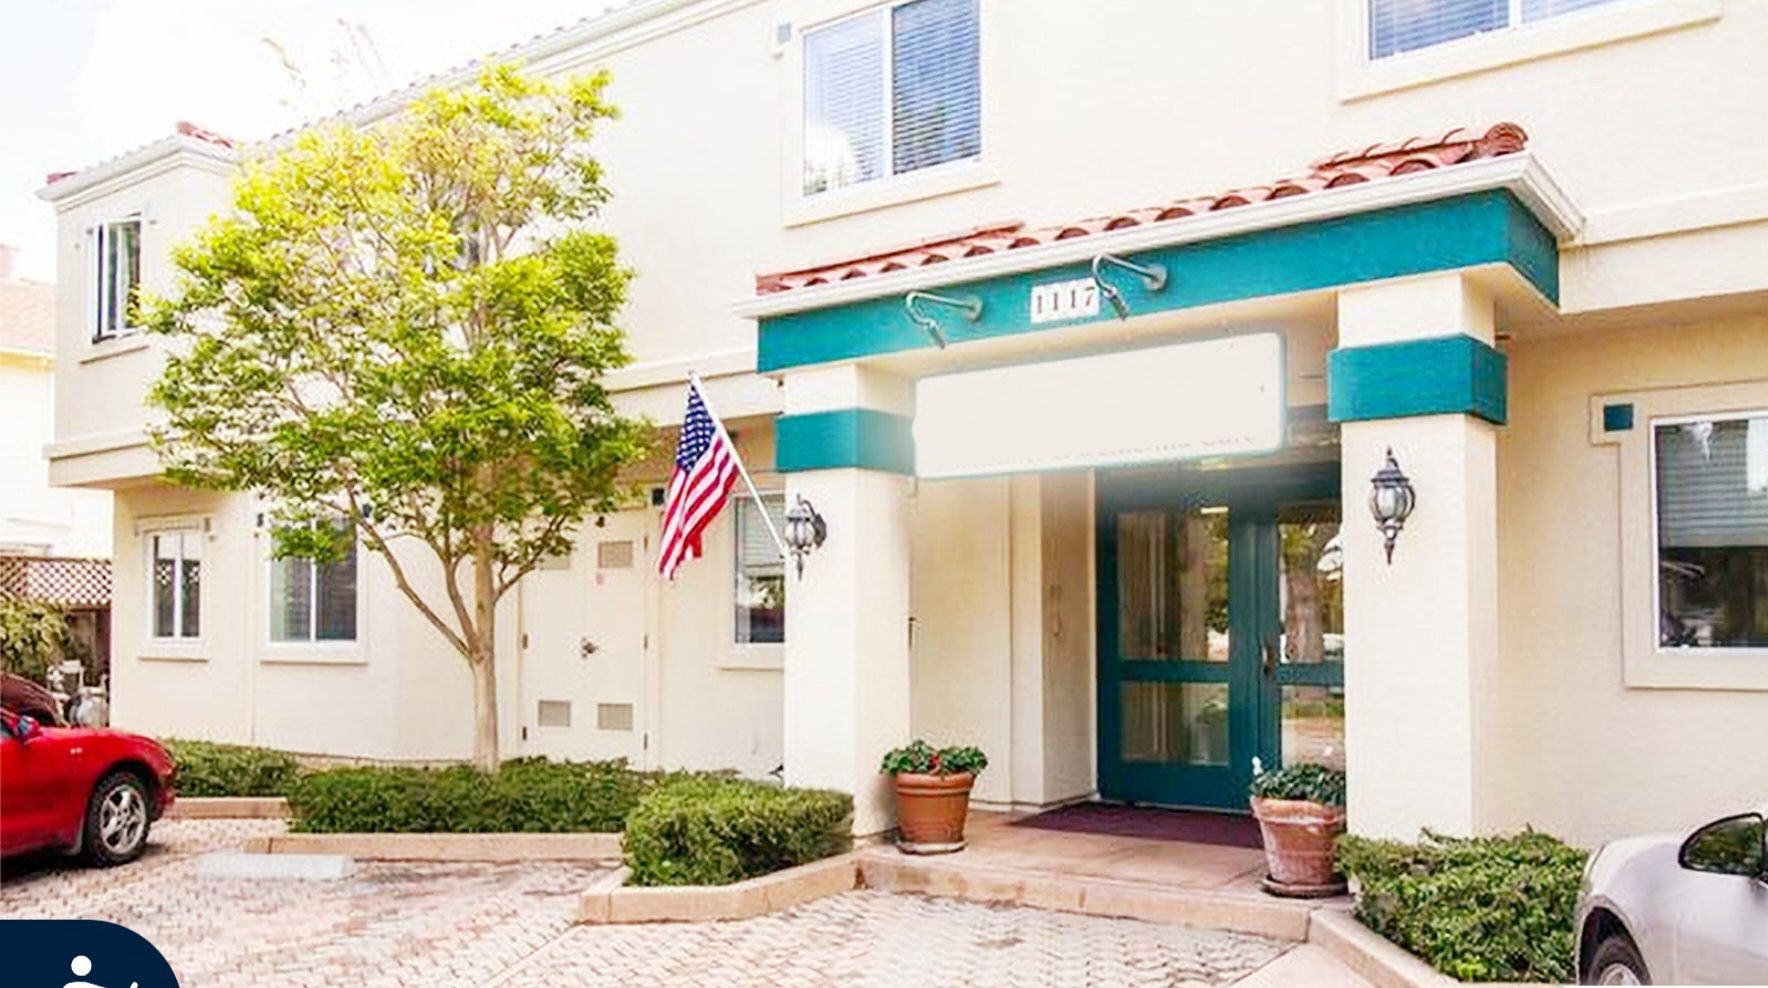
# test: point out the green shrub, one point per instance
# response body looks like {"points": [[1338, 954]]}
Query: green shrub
{"points": [[921, 758], [1480, 909], [531, 794], [1303, 781], [32, 637], [697, 830], [209, 769]]}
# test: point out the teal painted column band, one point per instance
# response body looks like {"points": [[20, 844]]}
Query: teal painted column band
{"points": [[849, 437], [1443, 374], [1466, 231]]}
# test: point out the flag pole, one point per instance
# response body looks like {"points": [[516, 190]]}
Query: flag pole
{"points": [[700, 389]]}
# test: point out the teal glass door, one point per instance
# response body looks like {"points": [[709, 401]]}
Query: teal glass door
{"points": [[1196, 575]]}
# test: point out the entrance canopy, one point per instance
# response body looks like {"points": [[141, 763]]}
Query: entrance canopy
{"points": [[1463, 201]]}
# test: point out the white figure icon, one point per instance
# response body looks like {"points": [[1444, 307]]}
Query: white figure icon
{"points": [[82, 966]]}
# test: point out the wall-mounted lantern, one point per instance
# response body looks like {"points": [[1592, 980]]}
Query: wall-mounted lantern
{"points": [[1391, 500], [805, 531]]}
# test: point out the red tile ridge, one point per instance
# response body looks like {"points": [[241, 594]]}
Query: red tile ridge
{"points": [[1369, 163]]}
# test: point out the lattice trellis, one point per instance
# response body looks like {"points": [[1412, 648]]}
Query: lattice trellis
{"points": [[67, 583]]}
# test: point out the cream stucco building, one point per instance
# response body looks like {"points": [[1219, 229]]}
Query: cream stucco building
{"points": [[1086, 327]]}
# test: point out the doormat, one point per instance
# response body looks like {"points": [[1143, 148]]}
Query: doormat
{"points": [[1190, 826]]}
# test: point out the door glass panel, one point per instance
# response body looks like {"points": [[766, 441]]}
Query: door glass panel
{"points": [[1172, 580], [1174, 723], [1310, 590]]}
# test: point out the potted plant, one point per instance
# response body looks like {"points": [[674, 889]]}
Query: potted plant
{"points": [[1300, 811], [932, 794]]}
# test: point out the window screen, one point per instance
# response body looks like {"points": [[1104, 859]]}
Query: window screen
{"points": [[761, 573], [312, 601], [1405, 25], [891, 91], [1712, 532], [936, 98]]}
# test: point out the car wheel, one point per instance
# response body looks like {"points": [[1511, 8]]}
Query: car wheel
{"points": [[1617, 962], [116, 820]]}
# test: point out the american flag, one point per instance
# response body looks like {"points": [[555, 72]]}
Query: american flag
{"points": [[705, 470]]}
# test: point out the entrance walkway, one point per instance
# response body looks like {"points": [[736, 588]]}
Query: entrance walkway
{"points": [[1203, 885]]}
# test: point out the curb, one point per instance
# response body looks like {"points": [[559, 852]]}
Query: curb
{"points": [[496, 848], [228, 808], [610, 901], [1372, 956]]}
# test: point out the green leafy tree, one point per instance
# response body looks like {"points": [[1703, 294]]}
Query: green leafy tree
{"points": [[32, 637], [398, 335]]}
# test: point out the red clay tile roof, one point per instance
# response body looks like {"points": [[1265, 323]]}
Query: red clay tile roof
{"points": [[27, 316], [1349, 167]]}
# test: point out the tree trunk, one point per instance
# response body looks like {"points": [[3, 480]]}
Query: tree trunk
{"points": [[484, 657]]}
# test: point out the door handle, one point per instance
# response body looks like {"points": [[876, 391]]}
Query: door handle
{"points": [[1268, 649]]}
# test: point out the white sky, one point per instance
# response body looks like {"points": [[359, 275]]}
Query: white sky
{"points": [[83, 80]]}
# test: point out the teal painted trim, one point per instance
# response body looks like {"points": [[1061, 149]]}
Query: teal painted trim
{"points": [[850, 437], [1479, 228], [1617, 418], [1443, 374]]}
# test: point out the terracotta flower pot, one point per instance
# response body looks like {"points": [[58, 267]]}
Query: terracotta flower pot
{"points": [[1298, 836], [930, 811]]}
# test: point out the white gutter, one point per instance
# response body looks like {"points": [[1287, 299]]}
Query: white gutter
{"points": [[1520, 173]]}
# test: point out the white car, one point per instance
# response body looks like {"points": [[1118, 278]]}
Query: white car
{"points": [[1676, 911]]}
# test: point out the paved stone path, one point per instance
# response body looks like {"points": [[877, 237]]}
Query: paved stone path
{"points": [[509, 926], [880, 940]]}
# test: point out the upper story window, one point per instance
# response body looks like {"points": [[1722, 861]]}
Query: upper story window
{"points": [[761, 573], [891, 91], [313, 601], [116, 277], [1711, 502], [1397, 26], [175, 583]]}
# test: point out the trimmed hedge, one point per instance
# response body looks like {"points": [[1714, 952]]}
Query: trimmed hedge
{"points": [[530, 795], [1476, 909], [695, 830], [209, 769]]}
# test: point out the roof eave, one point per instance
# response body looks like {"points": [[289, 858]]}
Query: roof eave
{"points": [[137, 160], [1520, 173]]}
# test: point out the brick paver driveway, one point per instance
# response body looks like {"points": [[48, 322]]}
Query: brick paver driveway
{"points": [[510, 925]]}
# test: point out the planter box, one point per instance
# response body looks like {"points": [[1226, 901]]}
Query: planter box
{"points": [[746, 899], [228, 808]]}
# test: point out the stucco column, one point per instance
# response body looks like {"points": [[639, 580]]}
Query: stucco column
{"points": [[1416, 372], [843, 444]]}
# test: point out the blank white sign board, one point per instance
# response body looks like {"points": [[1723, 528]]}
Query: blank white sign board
{"points": [[1161, 404]]}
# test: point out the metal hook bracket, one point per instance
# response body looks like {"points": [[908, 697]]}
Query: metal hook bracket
{"points": [[970, 307], [1153, 278]]}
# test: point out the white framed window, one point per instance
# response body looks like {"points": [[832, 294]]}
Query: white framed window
{"points": [[174, 584], [1709, 477], [313, 602], [116, 277], [1397, 26], [889, 91], [760, 572]]}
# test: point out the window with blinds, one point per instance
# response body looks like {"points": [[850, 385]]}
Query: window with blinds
{"points": [[761, 572], [1397, 26], [1711, 499], [891, 91]]}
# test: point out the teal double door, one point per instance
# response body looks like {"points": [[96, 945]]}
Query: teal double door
{"points": [[1220, 619]]}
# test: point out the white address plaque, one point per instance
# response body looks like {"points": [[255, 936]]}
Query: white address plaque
{"points": [[1056, 300]]}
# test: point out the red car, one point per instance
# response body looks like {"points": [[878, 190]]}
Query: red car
{"points": [[81, 790]]}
